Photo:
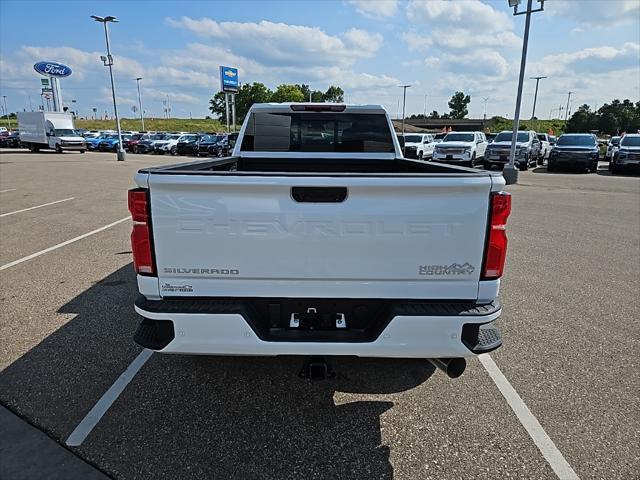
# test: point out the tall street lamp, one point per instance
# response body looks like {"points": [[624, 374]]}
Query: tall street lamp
{"points": [[510, 172], [404, 103], [140, 103], [108, 62], [6, 112]]}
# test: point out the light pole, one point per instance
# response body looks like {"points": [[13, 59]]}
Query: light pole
{"points": [[404, 103], [535, 96], [6, 112], [510, 172], [566, 112], [425, 107], [140, 103], [108, 62]]}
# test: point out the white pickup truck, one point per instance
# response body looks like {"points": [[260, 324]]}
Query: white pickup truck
{"points": [[316, 237]]}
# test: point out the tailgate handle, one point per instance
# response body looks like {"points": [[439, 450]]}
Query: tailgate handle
{"points": [[319, 194]]}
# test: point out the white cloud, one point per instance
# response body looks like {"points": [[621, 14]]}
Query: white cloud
{"points": [[281, 44], [472, 15], [377, 9], [480, 62], [599, 14], [459, 39], [589, 60]]}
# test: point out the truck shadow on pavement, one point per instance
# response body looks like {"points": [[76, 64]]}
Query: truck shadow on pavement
{"points": [[204, 417]]}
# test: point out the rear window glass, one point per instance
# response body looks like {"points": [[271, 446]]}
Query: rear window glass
{"points": [[317, 132]]}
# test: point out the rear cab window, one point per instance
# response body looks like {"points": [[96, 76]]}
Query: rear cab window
{"points": [[317, 132]]}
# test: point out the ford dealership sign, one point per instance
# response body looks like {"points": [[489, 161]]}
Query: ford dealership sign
{"points": [[52, 69]]}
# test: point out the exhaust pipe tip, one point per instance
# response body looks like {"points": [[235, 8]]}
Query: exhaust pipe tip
{"points": [[453, 367]]}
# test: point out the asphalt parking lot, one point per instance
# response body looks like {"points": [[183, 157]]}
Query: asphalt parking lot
{"points": [[570, 322]]}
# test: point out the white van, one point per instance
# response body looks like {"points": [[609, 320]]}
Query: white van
{"points": [[42, 130]]}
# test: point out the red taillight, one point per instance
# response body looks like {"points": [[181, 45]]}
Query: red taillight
{"points": [[141, 248], [497, 242]]}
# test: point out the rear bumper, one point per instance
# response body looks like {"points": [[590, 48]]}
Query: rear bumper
{"points": [[224, 327]]}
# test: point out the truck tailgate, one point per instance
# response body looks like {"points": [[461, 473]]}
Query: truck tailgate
{"points": [[419, 237]]}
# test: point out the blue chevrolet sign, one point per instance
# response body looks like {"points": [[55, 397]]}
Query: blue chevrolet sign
{"points": [[229, 79]]}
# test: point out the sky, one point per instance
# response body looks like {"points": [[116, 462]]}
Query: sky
{"points": [[367, 47]]}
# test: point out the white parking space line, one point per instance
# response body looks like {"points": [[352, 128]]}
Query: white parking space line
{"points": [[37, 206], [63, 244], [92, 418], [549, 451], [8, 190]]}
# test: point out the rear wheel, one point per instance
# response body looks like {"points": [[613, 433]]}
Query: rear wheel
{"points": [[58, 148], [81, 151], [524, 166]]}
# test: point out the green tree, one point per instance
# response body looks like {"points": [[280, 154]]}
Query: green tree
{"points": [[287, 93], [434, 114], [248, 94], [582, 120], [334, 95], [316, 95], [458, 105]]}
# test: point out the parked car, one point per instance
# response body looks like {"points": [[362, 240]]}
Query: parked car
{"points": [[574, 150], [627, 157], [188, 145], [438, 137], [167, 144], [111, 142], [131, 141], [10, 140], [527, 150], [145, 144], [552, 140], [545, 147], [209, 145], [463, 148], [612, 148], [267, 254], [419, 145]]}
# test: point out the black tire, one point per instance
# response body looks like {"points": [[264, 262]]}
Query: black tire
{"points": [[524, 166], [58, 148], [551, 168], [174, 150], [472, 162], [81, 151], [419, 155], [488, 165], [615, 169], [593, 168]]}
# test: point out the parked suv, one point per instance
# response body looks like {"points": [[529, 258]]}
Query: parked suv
{"points": [[575, 150], [627, 157], [612, 148], [527, 150], [463, 148], [545, 147], [419, 145]]}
